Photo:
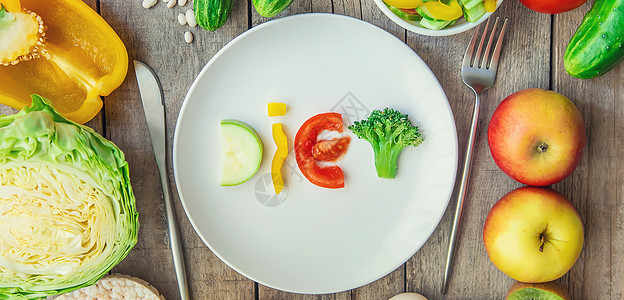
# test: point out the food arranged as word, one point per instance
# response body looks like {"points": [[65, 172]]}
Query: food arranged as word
{"points": [[533, 146], [598, 44], [115, 287], [439, 14], [318, 141], [553, 6], [270, 8], [69, 213], [389, 132], [62, 50], [306, 139], [241, 152], [533, 234], [543, 291], [212, 14]]}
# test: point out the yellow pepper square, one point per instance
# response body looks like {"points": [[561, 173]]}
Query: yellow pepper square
{"points": [[276, 109]]}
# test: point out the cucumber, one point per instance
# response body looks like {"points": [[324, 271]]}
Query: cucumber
{"points": [[404, 14], [270, 8], [475, 13], [598, 44], [212, 14], [435, 25], [424, 13], [470, 4], [241, 152]]}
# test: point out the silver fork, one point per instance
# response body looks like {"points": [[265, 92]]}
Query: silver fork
{"points": [[478, 73]]}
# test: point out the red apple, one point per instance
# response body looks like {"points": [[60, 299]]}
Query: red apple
{"points": [[536, 137], [533, 234]]}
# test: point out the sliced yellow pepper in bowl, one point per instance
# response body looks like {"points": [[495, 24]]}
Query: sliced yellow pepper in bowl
{"points": [[490, 5], [443, 12], [81, 59]]}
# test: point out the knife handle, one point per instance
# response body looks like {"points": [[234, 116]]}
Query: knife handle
{"points": [[174, 238]]}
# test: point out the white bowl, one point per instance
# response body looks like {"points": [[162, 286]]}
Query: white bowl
{"points": [[460, 26]]}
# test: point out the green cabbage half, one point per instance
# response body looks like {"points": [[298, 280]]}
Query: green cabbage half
{"points": [[67, 211]]}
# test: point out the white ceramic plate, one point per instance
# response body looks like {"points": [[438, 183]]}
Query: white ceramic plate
{"points": [[460, 26], [310, 239]]}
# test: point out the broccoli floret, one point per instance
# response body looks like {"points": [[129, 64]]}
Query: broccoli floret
{"points": [[389, 132]]}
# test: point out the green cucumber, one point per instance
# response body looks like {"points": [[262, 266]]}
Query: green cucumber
{"points": [[475, 13], [435, 25], [598, 44], [212, 14], [270, 8], [469, 4], [241, 152], [404, 14], [424, 12]]}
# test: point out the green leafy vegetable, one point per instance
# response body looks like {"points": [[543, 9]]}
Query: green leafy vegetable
{"points": [[389, 132], [67, 211]]}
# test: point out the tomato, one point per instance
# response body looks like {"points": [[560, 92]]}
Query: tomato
{"points": [[330, 150], [305, 140], [404, 3], [552, 6]]}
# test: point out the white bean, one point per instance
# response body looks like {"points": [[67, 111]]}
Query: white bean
{"points": [[181, 2], [149, 3], [182, 19], [172, 3], [188, 37], [190, 18]]}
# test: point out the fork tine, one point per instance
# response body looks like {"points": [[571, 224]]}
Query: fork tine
{"points": [[470, 50], [477, 61], [497, 49], [487, 57]]}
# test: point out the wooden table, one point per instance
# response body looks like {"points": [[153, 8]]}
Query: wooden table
{"points": [[532, 57]]}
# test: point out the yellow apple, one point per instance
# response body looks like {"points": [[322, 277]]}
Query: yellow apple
{"points": [[533, 234]]}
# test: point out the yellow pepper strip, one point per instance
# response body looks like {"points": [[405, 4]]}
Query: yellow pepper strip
{"points": [[11, 5], [85, 60], [490, 5], [406, 4], [276, 109], [443, 12], [279, 157]]}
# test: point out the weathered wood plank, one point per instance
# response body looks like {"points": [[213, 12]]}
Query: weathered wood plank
{"points": [[595, 187], [155, 37], [525, 63]]}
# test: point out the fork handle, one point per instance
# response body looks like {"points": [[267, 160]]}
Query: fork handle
{"points": [[462, 194]]}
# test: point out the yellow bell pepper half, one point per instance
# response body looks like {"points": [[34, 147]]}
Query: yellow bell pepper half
{"points": [[11, 5], [443, 12], [279, 157], [85, 60]]}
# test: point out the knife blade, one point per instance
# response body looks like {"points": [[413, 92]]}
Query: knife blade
{"points": [[154, 108]]}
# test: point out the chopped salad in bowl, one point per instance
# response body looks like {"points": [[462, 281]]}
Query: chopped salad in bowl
{"points": [[438, 17]]}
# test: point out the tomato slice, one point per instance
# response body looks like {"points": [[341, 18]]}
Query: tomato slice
{"points": [[328, 177], [330, 150]]}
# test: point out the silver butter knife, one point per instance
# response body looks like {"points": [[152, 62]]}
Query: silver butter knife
{"points": [[154, 107]]}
